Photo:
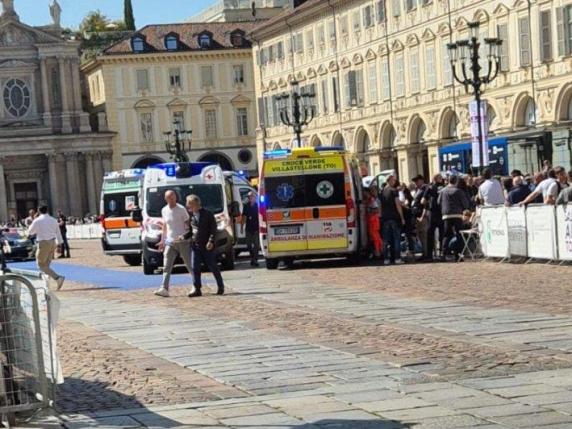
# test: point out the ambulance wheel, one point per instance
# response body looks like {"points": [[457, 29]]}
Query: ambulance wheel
{"points": [[272, 264], [132, 260], [354, 258]]}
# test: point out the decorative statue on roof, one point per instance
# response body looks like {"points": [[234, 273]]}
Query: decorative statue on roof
{"points": [[56, 12], [8, 7]]}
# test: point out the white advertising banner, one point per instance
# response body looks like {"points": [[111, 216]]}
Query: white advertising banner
{"points": [[541, 232], [494, 237], [516, 219], [564, 230], [476, 146]]}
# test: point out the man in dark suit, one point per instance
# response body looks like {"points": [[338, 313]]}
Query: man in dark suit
{"points": [[203, 228]]}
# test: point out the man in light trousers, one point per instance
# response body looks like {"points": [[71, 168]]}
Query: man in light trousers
{"points": [[47, 232], [173, 242]]}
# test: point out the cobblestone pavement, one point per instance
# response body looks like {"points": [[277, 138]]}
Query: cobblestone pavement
{"points": [[324, 346]]}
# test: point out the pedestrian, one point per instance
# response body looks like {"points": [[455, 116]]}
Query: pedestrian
{"points": [[544, 190], [519, 191], [31, 216], [432, 211], [557, 187], [249, 226], [47, 232], [453, 202], [406, 199], [373, 224], [64, 247], [392, 222], [203, 224], [174, 240], [490, 191], [421, 222], [565, 196]]}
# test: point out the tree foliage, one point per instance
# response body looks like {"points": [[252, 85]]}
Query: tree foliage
{"points": [[128, 17]]}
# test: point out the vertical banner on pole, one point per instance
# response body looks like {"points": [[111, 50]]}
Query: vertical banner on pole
{"points": [[564, 232], [516, 219], [476, 146]]}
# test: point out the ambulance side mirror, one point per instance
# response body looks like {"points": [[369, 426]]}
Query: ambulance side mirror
{"points": [[137, 215]]}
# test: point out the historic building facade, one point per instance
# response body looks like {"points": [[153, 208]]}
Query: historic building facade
{"points": [[239, 10], [48, 152], [384, 87], [196, 77]]}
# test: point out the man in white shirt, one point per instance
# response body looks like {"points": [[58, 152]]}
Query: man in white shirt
{"points": [[490, 191], [48, 236], [544, 188], [173, 243]]}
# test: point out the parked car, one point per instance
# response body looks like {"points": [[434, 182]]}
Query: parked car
{"points": [[17, 246]]}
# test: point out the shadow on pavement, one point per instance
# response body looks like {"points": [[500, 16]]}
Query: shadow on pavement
{"points": [[352, 424]]}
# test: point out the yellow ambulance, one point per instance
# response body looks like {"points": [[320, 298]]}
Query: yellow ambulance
{"points": [[310, 203]]}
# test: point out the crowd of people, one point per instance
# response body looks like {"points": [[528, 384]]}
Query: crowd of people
{"points": [[427, 218], [24, 222]]}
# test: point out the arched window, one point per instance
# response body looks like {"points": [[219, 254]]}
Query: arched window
{"points": [[205, 41], [530, 113], [421, 128], [171, 42], [138, 44], [237, 39]]}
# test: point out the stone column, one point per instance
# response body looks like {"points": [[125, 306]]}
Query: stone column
{"points": [[64, 83], [47, 115], [92, 191], [74, 64], [55, 196], [3, 194], [98, 167], [74, 192], [107, 165]]}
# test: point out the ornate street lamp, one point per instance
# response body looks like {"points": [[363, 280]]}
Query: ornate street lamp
{"points": [[178, 143], [303, 109], [465, 55]]}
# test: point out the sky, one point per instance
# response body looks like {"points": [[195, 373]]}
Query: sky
{"points": [[36, 12]]}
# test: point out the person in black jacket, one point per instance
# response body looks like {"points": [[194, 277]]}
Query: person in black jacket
{"points": [[453, 202], [203, 230]]}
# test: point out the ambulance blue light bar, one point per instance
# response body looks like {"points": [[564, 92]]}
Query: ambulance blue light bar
{"points": [[277, 153], [330, 149], [182, 169]]}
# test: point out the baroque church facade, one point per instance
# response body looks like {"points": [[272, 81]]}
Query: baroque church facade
{"points": [[48, 151]]}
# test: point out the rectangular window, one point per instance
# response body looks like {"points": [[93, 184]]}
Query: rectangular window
{"points": [[261, 112], [399, 76], [310, 39], [299, 43], [396, 8], [325, 96], [385, 89], [175, 77], [179, 120], [210, 124], [564, 30], [242, 121], [269, 111], [502, 33], [332, 31], [524, 41], [414, 71], [430, 78], [280, 51], [207, 76], [356, 21], [360, 91], [142, 80], [271, 54], [372, 72], [275, 111], [447, 71], [344, 24], [146, 126], [350, 89], [367, 16], [380, 11], [335, 92], [410, 5], [545, 36], [321, 35], [484, 51], [238, 74]]}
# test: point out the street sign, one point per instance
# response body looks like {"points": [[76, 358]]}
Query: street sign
{"points": [[476, 146]]}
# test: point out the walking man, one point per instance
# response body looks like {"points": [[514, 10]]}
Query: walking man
{"points": [[453, 202], [48, 236], [203, 225], [249, 226], [64, 247], [392, 222], [174, 241]]}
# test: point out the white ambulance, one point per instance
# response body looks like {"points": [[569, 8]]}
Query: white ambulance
{"points": [[205, 180], [121, 193]]}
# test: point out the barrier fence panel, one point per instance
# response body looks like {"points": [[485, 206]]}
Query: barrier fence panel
{"points": [[84, 232], [516, 219], [494, 236], [564, 232], [541, 232]]}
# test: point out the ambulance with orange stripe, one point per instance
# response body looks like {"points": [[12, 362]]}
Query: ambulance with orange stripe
{"points": [[310, 205], [121, 193]]}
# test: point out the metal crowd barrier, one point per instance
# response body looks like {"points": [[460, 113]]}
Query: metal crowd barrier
{"points": [[84, 231], [28, 364]]}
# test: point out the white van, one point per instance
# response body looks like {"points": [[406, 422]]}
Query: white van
{"points": [[121, 193], [199, 178]]}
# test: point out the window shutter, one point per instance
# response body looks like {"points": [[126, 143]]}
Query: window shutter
{"points": [[560, 31], [347, 91], [261, 120], [335, 94], [353, 88], [502, 33], [524, 40], [324, 88], [380, 11], [396, 8], [359, 87], [545, 36]]}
